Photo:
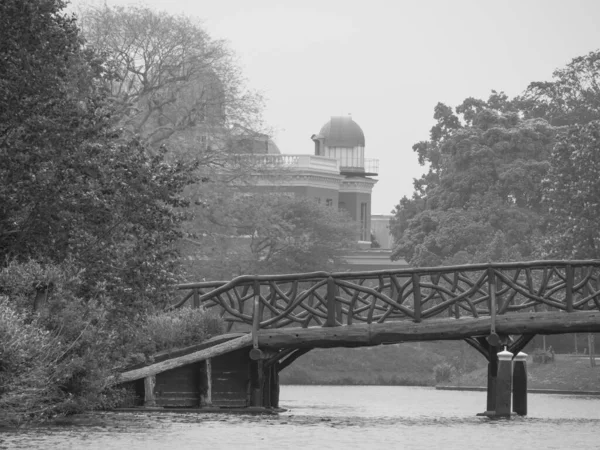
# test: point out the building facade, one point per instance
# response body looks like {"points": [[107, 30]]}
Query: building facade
{"points": [[336, 175]]}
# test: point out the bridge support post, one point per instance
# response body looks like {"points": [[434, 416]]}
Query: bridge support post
{"points": [[258, 381], [504, 384], [491, 379], [206, 383], [274, 386], [149, 397], [520, 384]]}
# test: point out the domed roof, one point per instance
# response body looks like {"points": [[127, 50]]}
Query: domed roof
{"points": [[272, 148], [245, 140], [342, 131]]}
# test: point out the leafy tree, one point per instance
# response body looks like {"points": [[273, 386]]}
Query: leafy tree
{"points": [[572, 192], [270, 233], [572, 97], [481, 199], [70, 187], [47, 108]]}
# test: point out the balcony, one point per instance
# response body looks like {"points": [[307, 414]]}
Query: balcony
{"points": [[293, 162], [344, 166]]}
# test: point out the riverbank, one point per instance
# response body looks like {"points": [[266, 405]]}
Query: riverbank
{"points": [[413, 365], [568, 373], [530, 391], [409, 364]]}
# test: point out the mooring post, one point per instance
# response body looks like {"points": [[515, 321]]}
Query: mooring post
{"points": [[275, 386], [520, 384], [504, 384], [491, 378]]}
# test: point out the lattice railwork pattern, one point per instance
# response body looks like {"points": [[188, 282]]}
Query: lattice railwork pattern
{"points": [[324, 299]]}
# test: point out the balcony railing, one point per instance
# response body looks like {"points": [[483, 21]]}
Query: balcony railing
{"points": [[364, 166], [313, 162]]}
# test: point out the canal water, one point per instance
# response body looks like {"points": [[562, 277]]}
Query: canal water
{"points": [[338, 417]]}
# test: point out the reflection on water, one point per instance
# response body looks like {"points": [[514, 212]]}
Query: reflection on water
{"points": [[349, 417]]}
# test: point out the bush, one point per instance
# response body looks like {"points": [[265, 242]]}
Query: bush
{"points": [[57, 359], [443, 372], [54, 360], [178, 328], [28, 357], [540, 356]]}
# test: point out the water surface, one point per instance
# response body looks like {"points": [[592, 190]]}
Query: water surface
{"points": [[339, 417]]}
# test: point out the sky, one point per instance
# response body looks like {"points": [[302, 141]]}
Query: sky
{"points": [[388, 63]]}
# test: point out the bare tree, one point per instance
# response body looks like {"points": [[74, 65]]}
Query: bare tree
{"points": [[169, 78]]}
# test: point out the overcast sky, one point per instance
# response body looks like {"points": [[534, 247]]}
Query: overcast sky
{"points": [[387, 63]]}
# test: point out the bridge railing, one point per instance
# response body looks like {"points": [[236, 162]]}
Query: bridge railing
{"points": [[416, 294]]}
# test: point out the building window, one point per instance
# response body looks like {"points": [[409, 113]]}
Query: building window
{"points": [[364, 222], [318, 200], [329, 202]]}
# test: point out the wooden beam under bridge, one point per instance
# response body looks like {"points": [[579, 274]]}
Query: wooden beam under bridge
{"points": [[358, 335]]}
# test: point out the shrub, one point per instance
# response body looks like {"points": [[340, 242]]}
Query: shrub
{"points": [[55, 360], [443, 372], [179, 328]]}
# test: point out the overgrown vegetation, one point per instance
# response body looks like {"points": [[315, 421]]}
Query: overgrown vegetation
{"points": [[89, 222], [179, 328]]}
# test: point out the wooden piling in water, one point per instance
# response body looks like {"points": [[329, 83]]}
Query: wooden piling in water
{"points": [[520, 384], [504, 384], [149, 397], [491, 379]]}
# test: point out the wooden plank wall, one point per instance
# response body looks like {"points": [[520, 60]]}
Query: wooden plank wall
{"points": [[230, 379], [180, 387]]}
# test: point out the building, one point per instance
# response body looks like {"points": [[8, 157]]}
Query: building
{"points": [[337, 175], [380, 228]]}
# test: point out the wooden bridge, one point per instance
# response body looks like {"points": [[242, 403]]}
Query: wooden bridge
{"points": [[491, 306]]}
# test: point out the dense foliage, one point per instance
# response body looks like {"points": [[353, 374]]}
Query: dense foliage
{"points": [[573, 194], [89, 220], [70, 186], [481, 199], [572, 97], [508, 178]]}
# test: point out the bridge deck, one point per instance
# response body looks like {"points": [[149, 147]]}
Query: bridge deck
{"points": [[434, 329]]}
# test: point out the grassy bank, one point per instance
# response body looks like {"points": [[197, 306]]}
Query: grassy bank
{"points": [[567, 372], [413, 364], [408, 364]]}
